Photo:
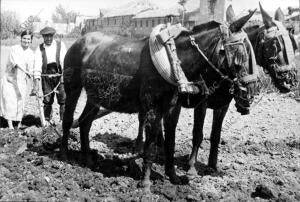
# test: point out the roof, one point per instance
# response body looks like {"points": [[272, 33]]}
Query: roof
{"points": [[294, 15], [131, 8], [61, 28], [158, 13]]}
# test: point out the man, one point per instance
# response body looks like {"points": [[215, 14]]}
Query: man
{"points": [[48, 68]]}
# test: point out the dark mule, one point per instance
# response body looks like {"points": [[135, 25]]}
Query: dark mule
{"points": [[219, 101], [274, 48], [262, 49], [118, 74]]}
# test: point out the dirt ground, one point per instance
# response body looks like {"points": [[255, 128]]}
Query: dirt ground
{"points": [[259, 158]]}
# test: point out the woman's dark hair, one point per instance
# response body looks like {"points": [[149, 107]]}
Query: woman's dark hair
{"points": [[27, 32]]}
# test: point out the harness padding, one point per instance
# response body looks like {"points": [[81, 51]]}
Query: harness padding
{"points": [[159, 35]]}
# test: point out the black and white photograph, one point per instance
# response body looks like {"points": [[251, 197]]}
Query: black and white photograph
{"points": [[150, 100]]}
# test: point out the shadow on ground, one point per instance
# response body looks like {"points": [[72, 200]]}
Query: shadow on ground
{"points": [[27, 121]]}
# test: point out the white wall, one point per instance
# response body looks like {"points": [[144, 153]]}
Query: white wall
{"points": [[217, 14]]}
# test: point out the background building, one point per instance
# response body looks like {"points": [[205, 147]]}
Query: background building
{"points": [[137, 18]]}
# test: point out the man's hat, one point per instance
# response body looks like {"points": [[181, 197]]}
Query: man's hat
{"points": [[47, 30]]}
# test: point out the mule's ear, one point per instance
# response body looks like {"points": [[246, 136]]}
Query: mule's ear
{"points": [[230, 15], [267, 19], [279, 16], [238, 24]]}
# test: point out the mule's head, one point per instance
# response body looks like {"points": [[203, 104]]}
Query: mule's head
{"points": [[232, 58], [241, 63], [275, 49]]}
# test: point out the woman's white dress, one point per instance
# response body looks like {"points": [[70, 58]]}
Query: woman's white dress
{"points": [[14, 82]]}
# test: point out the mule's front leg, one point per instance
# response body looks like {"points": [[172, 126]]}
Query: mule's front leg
{"points": [[170, 123], [218, 117], [199, 117], [85, 123], [152, 125]]}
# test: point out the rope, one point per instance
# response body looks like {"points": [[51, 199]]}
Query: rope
{"points": [[31, 75], [53, 91]]}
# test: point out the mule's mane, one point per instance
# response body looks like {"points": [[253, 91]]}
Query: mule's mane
{"points": [[207, 36], [196, 30], [205, 26], [253, 23], [253, 26]]}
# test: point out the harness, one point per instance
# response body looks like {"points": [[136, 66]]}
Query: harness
{"points": [[228, 42], [159, 55], [277, 31], [238, 40], [280, 31]]}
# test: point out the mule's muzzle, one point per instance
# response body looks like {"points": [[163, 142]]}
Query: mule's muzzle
{"points": [[242, 110], [243, 104], [285, 77], [244, 97]]}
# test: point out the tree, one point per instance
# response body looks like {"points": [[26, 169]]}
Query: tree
{"points": [[61, 15], [10, 25], [183, 3], [29, 23]]}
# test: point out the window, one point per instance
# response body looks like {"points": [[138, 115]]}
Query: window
{"points": [[141, 24], [115, 21], [135, 23], [158, 22], [153, 23], [146, 23]]}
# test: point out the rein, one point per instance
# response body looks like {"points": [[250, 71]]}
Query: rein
{"points": [[223, 76]]}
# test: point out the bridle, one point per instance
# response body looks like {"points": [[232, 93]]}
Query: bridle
{"points": [[229, 41], [267, 35]]}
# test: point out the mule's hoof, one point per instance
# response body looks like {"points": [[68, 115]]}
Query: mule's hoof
{"points": [[63, 155], [149, 197], [145, 185], [87, 161], [137, 149], [75, 124], [192, 172], [213, 166], [211, 170], [174, 179]]}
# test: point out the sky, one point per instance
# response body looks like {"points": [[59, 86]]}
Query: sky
{"points": [[25, 8]]}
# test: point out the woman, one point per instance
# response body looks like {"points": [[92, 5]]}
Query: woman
{"points": [[13, 88]]}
